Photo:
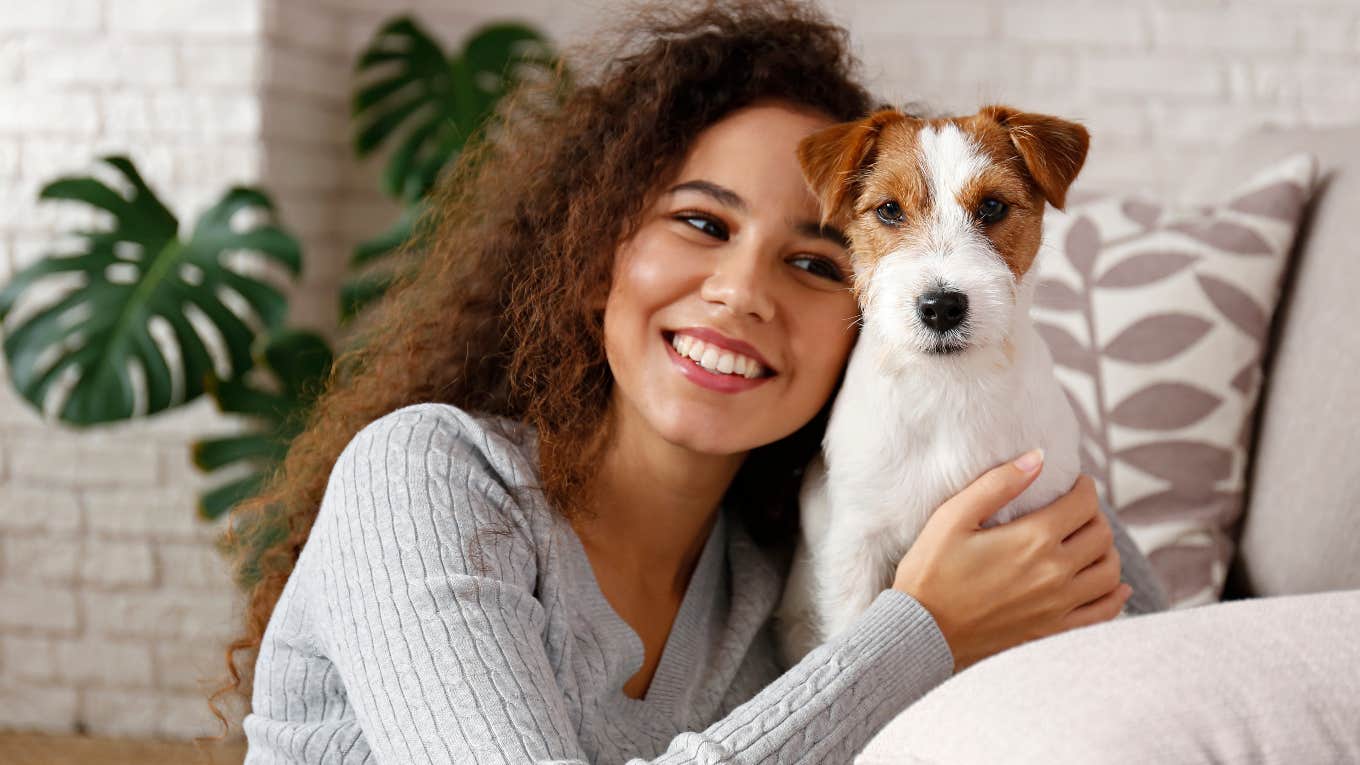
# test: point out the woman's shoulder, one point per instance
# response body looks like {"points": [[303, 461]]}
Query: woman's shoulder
{"points": [[501, 450], [430, 475]]}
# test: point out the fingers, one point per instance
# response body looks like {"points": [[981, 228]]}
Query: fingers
{"points": [[1102, 609], [1066, 514], [1089, 543], [1096, 579], [982, 498]]}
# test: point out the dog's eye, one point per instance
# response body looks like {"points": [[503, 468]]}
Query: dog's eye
{"points": [[991, 210], [890, 213]]}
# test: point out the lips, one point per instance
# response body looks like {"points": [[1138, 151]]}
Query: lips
{"points": [[714, 381], [713, 337]]}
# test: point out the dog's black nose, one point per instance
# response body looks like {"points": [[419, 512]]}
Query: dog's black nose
{"points": [[942, 311]]}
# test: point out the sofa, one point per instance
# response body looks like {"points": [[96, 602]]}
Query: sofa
{"points": [[1271, 672]]}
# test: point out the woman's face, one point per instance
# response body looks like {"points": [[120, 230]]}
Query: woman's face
{"points": [[730, 253]]}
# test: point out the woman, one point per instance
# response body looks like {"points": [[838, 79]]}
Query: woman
{"points": [[523, 527]]}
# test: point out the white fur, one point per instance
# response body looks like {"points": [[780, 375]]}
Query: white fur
{"points": [[911, 428]]}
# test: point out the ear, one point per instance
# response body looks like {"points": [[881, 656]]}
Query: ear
{"points": [[1053, 149], [832, 158]]}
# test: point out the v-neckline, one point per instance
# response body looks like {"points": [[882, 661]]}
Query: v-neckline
{"points": [[676, 666]]}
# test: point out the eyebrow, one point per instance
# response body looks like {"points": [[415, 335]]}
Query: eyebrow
{"points": [[722, 194], [816, 230], [730, 198]]}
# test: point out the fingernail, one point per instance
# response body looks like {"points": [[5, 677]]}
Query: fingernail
{"points": [[1030, 460], [1128, 591]]}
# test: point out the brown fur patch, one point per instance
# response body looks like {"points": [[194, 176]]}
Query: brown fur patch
{"points": [[833, 157], [895, 175], [1053, 149], [1017, 235], [855, 167]]}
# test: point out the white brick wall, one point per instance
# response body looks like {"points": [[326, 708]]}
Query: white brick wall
{"points": [[1158, 82], [109, 599], [113, 605]]}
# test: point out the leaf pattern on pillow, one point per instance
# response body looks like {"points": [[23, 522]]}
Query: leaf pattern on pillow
{"points": [[1225, 236], [1236, 306], [1165, 406], [1156, 317], [1157, 338], [1144, 268]]}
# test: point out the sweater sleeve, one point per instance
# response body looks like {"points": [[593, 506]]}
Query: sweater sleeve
{"points": [[828, 706], [1148, 594], [440, 650]]}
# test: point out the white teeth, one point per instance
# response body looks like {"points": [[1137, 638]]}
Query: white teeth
{"points": [[710, 358], [714, 359]]}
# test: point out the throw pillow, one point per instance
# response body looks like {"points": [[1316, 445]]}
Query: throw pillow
{"points": [[1157, 317]]}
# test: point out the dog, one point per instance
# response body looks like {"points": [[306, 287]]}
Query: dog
{"points": [[948, 377]]}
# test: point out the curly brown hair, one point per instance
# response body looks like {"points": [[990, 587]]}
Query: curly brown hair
{"points": [[498, 318]]}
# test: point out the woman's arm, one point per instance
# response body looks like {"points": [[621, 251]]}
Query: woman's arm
{"points": [[1148, 593], [442, 653]]}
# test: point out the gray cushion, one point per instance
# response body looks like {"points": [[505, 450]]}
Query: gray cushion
{"points": [[1301, 529], [1269, 680]]}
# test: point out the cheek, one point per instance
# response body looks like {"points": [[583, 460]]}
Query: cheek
{"points": [[829, 334], [628, 283], [643, 276], [649, 275]]}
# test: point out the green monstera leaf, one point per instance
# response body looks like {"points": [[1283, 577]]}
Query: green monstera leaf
{"points": [[299, 362], [92, 350], [429, 103], [371, 284], [435, 100]]}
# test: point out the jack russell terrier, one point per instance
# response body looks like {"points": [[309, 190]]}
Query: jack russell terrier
{"points": [[948, 377]]}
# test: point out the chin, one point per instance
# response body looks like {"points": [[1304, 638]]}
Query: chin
{"points": [[715, 442]]}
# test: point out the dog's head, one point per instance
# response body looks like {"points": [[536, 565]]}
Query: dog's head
{"points": [[944, 217]]}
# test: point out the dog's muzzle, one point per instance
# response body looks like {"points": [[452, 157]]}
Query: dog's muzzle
{"points": [[942, 311]]}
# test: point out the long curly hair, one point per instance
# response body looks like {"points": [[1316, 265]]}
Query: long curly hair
{"points": [[521, 238]]}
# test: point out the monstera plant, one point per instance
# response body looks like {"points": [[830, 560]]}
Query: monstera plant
{"points": [[90, 355], [299, 363], [145, 316], [429, 104]]}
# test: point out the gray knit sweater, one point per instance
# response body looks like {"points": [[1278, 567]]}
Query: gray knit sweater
{"points": [[441, 612]]}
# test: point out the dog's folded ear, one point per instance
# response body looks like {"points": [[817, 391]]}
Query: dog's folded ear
{"points": [[1053, 149], [832, 158]]}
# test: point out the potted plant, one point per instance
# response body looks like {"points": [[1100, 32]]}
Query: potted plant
{"points": [[145, 317]]}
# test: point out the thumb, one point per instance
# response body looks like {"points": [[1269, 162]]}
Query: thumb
{"points": [[982, 498]]}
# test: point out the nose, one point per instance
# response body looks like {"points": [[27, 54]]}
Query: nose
{"points": [[942, 310], [740, 281]]}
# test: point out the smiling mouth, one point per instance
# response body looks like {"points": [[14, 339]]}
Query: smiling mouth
{"points": [[669, 338]]}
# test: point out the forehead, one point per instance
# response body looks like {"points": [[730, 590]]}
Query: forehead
{"points": [[942, 158], [755, 140]]}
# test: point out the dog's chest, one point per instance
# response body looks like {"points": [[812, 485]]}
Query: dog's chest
{"points": [[897, 448], [901, 468]]}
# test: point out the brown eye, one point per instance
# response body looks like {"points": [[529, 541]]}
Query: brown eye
{"points": [[890, 213], [705, 224], [823, 268], [991, 210]]}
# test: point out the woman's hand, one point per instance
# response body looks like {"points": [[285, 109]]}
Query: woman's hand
{"points": [[1043, 573]]}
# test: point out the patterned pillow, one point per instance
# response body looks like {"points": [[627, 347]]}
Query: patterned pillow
{"points": [[1157, 317]]}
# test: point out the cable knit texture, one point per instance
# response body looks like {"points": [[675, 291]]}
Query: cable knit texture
{"points": [[442, 612]]}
